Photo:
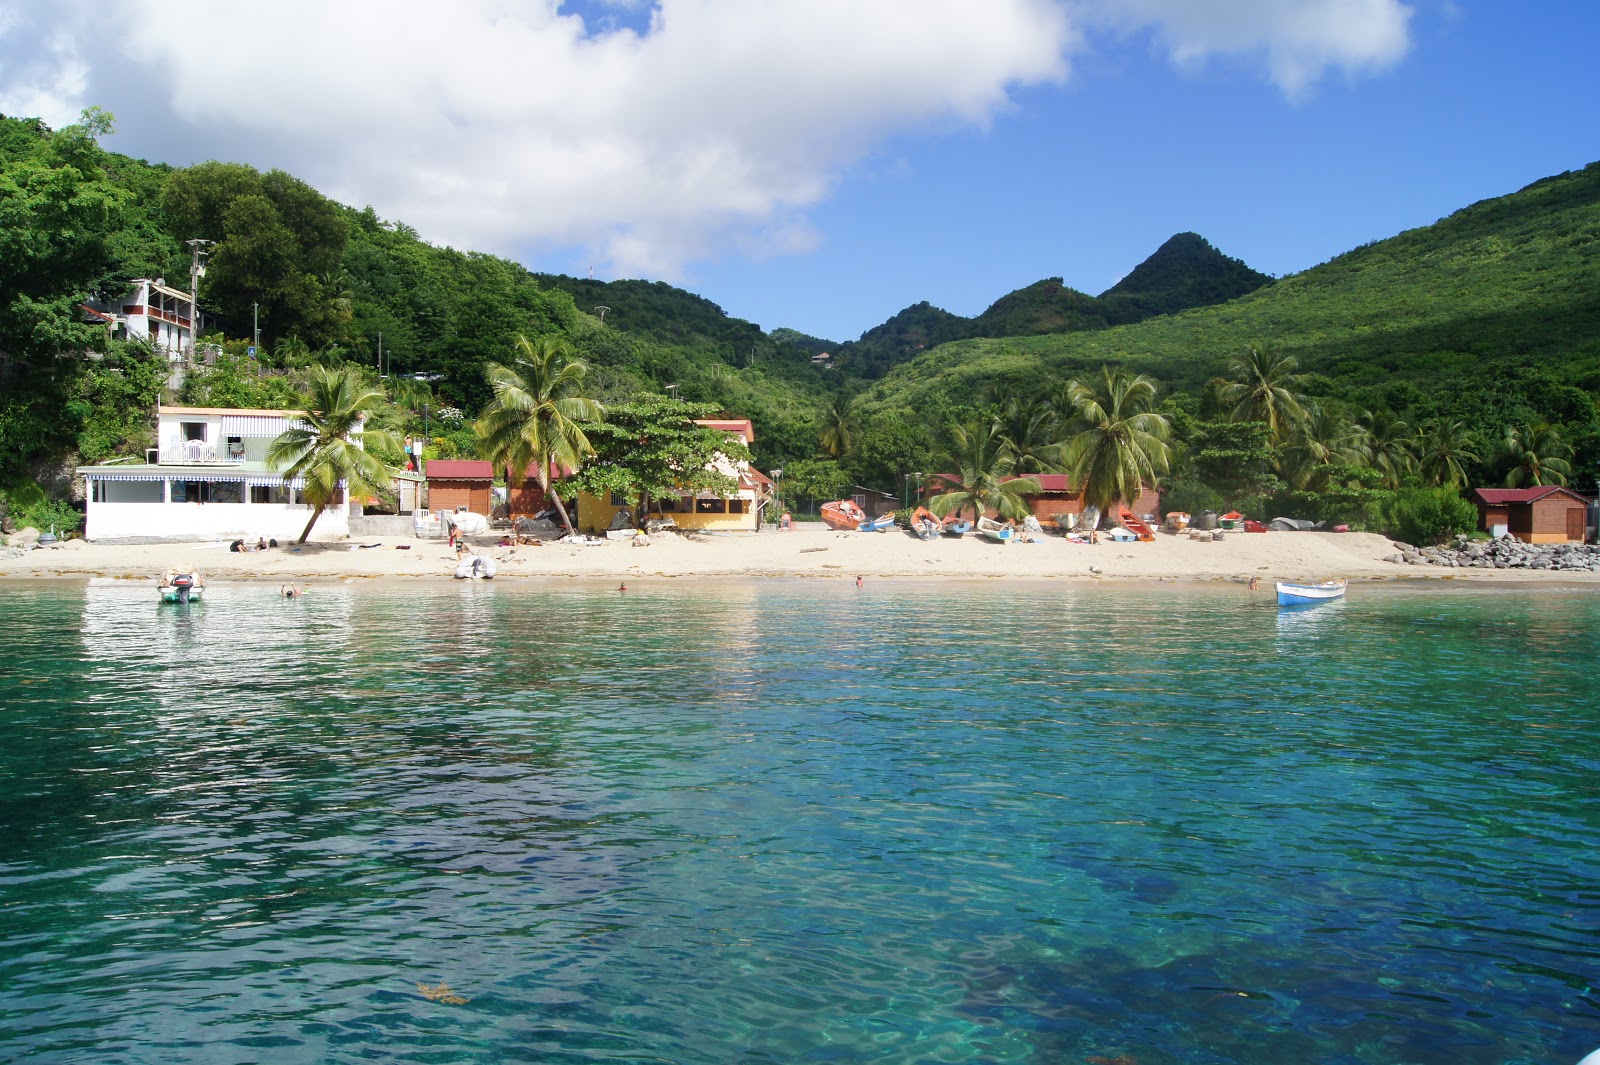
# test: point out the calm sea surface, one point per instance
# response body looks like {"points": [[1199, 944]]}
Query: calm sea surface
{"points": [[792, 822]]}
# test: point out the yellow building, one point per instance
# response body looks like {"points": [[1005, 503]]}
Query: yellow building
{"points": [[706, 511]]}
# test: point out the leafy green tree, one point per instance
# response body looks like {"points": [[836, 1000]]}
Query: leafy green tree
{"points": [[1538, 455], [1263, 387], [537, 414], [976, 468], [650, 447], [1117, 441], [1236, 459], [1428, 515], [327, 448], [814, 480], [1445, 447], [1388, 446]]}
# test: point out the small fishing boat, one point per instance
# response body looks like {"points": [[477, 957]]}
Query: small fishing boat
{"points": [[181, 587], [994, 530], [925, 524], [1135, 524], [1290, 594], [843, 514], [475, 567], [957, 527], [882, 523]]}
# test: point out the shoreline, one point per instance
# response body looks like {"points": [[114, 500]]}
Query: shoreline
{"points": [[798, 554]]}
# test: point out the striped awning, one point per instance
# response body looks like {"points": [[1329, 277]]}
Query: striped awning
{"points": [[111, 473], [243, 425]]}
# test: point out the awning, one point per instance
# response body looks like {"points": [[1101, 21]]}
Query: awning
{"points": [[112, 474], [243, 425]]}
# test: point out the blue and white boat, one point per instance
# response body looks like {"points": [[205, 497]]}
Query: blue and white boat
{"points": [[1290, 594], [957, 528], [882, 523], [994, 530]]}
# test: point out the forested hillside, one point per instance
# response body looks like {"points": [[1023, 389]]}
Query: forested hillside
{"points": [[1463, 352]]}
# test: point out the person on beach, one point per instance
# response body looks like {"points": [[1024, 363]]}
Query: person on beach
{"points": [[786, 521]]}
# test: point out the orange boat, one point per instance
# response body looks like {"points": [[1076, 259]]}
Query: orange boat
{"points": [[925, 524], [843, 514], [1135, 524]]}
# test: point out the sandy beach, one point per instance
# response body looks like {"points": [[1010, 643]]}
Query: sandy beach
{"points": [[809, 551]]}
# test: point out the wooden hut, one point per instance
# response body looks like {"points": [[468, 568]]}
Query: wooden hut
{"points": [[457, 483], [1548, 514]]}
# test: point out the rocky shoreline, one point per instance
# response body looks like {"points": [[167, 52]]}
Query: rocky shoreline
{"points": [[1504, 553]]}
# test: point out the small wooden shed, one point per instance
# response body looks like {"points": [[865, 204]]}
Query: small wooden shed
{"points": [[457, 483], [1549, 514]]}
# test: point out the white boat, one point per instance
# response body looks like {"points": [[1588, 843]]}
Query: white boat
{"points": [[1291, 594], [994, 530], [475, 566]]}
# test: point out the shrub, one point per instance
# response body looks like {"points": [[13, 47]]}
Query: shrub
{"points": [[1428, 515]]}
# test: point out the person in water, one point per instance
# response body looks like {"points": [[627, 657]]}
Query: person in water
{"points": [[289, 591]]}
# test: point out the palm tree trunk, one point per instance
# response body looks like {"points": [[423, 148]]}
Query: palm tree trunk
{"points": [[315, 514], [544, 485]]}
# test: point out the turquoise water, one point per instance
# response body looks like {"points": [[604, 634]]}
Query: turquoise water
{"points": [[793, 822]]}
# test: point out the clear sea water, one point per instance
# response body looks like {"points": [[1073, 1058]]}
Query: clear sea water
{"points": [[799, 822]]}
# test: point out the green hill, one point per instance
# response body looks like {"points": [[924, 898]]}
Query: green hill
{"points": [[1450, 315], [1184, 272]]}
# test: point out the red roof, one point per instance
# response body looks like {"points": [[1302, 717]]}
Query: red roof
{"points": [[1500, 496], [741, 426], [460, 470]]}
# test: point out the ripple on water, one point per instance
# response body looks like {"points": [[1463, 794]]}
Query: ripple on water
{"points": [[786, 822]]}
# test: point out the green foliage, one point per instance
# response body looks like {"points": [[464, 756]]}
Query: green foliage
{"points": [[1236, 459], [1428, 515], [29, 507], [650, 447], [813, 481], [1184, 272]]}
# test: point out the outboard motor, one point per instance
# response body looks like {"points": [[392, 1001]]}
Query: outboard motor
{"points": [[183, 582]]}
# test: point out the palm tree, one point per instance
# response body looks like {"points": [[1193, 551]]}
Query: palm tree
{"points": [[1031, 429], [326, 447], [1117, 443], [1324, 439], [980, 466], [1539, 455], [1261, 387], [1444, 449], [1388, 445], [840, 427], [533, 418]]}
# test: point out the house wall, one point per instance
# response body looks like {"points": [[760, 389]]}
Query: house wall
{"points": [[1547, 522], [528, 499], [202, 522], [452, 495], [1490, 516], [595, 515]]}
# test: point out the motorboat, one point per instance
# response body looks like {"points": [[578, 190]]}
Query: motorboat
{"points": [[475, 567], [187, 586], [925, 524], [1292, 594], [882, 523]]}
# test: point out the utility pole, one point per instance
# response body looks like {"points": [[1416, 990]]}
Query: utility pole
{"points": [[601, 311], [196, 270], [380, 355], [255, 326]]}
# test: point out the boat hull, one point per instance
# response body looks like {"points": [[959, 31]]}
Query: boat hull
{"points": [[883, 524], [1290, 594], [957, 529], [843, 515]]}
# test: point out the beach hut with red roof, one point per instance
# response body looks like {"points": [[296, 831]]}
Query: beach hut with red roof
{"points": [[1547, 514]]}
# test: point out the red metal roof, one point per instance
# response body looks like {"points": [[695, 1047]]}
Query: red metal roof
{"points": [[1501, 496], [460, 470]]}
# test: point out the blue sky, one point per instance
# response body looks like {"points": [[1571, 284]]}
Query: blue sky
{"points": [[823, 164]]}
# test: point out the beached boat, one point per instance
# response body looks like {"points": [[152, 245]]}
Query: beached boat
{"points": [[475, 567], [1290, 594], [882, 523], [957, 527], [843, 514], [1136, 525], [994, 530], [177, 587], [925, 524]]}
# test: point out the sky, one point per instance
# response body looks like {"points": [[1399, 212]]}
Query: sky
{"points": [[823, 164]]}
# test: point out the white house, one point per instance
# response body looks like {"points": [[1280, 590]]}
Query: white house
{"points": [[206, 479], [153, 312]]}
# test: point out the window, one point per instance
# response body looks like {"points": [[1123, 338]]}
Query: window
{"points": [[710, 506], [738, 506], [193, 430], [268, 493]]}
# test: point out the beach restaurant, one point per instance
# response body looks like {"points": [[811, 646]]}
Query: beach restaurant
{"points": [[705, 511]]}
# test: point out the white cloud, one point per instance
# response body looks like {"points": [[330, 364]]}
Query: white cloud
{"points": [[1298, 40], [41, 76], [507, 125]]}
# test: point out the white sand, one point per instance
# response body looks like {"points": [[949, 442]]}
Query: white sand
{"points": [[810, 551]]}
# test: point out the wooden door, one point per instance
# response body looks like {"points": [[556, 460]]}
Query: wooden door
{"points": [[1575, 524]]}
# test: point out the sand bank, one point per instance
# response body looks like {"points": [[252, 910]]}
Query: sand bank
{"points": [[810, 551]]}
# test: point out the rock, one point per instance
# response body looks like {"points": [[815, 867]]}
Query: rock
{"points": [[25, 537]]}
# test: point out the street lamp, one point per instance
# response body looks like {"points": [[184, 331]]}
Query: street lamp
{"points": [[777, 486]]}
